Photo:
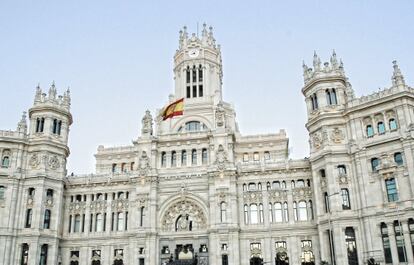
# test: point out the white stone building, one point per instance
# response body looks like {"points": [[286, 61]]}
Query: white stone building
{"points": [[192, 187]]}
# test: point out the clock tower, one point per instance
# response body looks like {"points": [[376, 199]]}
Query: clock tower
{"points": [[197, 68]]}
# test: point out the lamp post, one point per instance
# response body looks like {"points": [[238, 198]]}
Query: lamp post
{"points": [[330, 226], [401, 234]]}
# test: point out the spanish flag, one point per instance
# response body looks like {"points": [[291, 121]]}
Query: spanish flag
{"points": [[174, 109]]}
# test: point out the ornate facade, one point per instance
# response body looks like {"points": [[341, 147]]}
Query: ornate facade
{"points": [[192, 188]]}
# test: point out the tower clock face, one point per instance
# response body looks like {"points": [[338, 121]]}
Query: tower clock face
{"points": [[193, 53]]}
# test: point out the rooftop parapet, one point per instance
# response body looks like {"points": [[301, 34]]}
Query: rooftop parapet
{"points": [[398, 86], [207, 39], [328, 70], [52, 99]]}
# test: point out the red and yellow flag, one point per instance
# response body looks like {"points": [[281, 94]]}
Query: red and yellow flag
{"points": [[174, 109]]}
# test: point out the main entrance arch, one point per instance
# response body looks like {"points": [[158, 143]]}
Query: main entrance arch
{"points": [[183, 237]]}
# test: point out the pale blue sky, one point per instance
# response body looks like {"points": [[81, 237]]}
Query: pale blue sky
{"points": [[117, 58]]}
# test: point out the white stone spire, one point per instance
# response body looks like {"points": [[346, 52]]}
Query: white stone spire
{"points": [[397, 77]]}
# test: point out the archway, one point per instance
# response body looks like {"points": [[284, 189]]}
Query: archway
{"points": [[256, 261]]}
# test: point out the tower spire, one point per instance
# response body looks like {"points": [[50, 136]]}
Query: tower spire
{"points": [[397, 77]]}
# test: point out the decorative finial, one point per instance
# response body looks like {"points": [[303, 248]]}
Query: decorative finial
{"points": [[316, 62], [397, 77], [22, 125], [334, 61]]}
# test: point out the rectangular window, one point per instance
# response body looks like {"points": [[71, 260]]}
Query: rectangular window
{"points": [[113, 222], [70, 224], [200, 90], [83, 223], [224, 259], [194, 91], [188, 92], [29, 214], [141, 261], [391, 187], [25, 254]]}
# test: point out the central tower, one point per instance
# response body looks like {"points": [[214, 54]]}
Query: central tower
{"points": [[197, 68]]}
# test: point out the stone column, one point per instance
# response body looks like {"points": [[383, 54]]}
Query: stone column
{"points": [[393, 244], [407, 241]]}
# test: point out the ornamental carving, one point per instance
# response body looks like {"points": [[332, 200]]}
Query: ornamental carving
{"points": [[277, 195], [30, 201], [185, 215], [256, 252], [141, 200], [49, 202], [34, 160], [220, 115], [144, 164], [221, 158], [98, 206], [316, 141], [120, 205], [343, 179], [253, 197], [303, 192], [54, 162], [77, 207], [337, 136]]}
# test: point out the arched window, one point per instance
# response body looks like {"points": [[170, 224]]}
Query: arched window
{"points": [[307, 257], [295, 211], [268, 185], [55, 125], [43, 255], [278, 212], [256, 156], [5, 162], [381, 127], [141, 216], [31, 192], [42, 124], [292, 183], [261, 214], [386, 243], [346, 204], [275, 185], [223, 209], [375, 162], [194, 79], [187, 75], [266, 155], [334, 100], [351, 246], [200, 73], [25, 254], [270, 213], [123, 168], [98, 222], [163, 159], [173, 159], [300, 183], [46, 219], [204, 156], [252, 186], [314, 100], [370, 130], [341, 170], [302, 211], [253, 214], [398, 159], [49, 193], [183, 158], [399, 238], [77, 223], [194, 157], [285, 212], [259, 186], [244, 187], [391, 188], [283, 186], [310, 210], [328, 97], [2, 192], [392, 124], [245, 157], [246, 214], [326, 200], [114, 168], [29, 213], [59, 127], [120, 225]]}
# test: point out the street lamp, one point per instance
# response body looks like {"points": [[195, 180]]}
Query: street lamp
{"points": [[330, 226]]}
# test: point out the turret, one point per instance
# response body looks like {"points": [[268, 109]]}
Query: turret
{"points": [[198, 68], [50, 116], [326, 87]]}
